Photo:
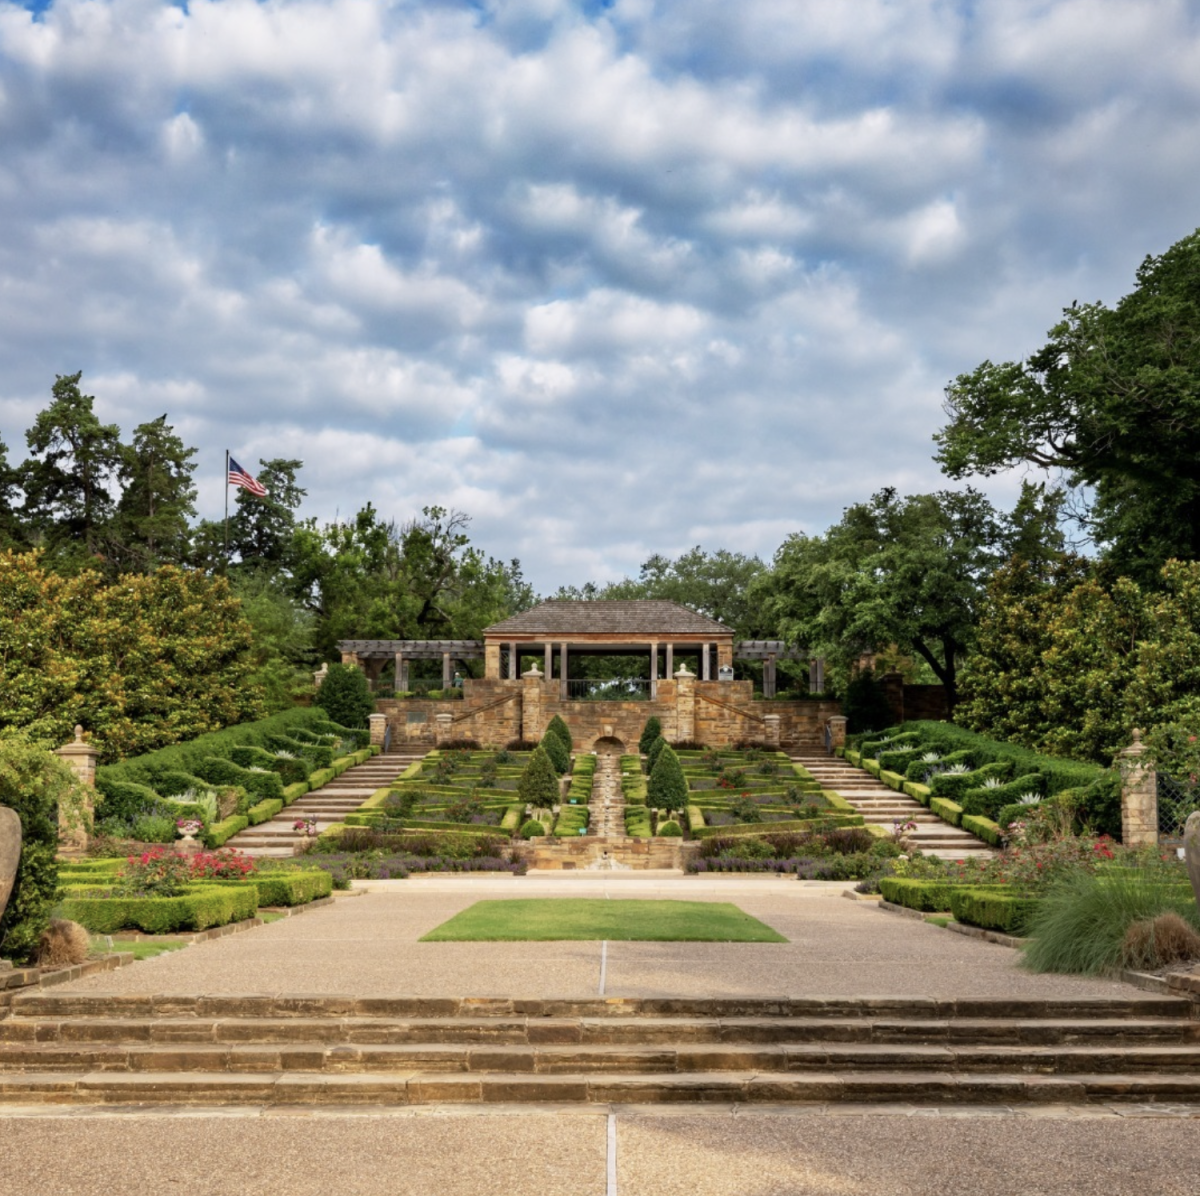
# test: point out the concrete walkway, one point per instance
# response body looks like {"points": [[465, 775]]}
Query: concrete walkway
{"points": [[368, 945]]}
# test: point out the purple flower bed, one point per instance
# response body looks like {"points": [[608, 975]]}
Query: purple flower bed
{"points": [[348, 866], [799, 866]]}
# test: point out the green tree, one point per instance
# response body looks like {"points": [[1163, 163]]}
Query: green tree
{"points": [[1112, 399], [157, 500], [538, 785], [903, 571], [11, 530], [865, 703], [261, 529], [667, 788], [557, 751], [68, 479], [560, 728], [35, 783], [650, 732], [345, 696], [282, 654]]}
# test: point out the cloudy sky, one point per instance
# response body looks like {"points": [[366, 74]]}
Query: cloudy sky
{"points": [[613, 277]]}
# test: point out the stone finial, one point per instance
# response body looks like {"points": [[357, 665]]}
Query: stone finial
{"points": [[78, 733], [684, 671], [533, 672]]}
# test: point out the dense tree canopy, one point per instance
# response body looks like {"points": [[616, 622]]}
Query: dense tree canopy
{"points": [[1112, 399]]}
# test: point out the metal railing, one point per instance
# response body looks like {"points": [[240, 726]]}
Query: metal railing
{"points": [[1176, 800], [623, 689]]}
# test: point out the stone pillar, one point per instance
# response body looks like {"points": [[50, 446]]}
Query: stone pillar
{"points": [[548, 666], [531, 705], [447, 671], [350, 658], [771, 729], [443, 728], [82, 758], [725, 656], [685, 704], [401, 678], [669, 671], [564, 673], [491, 662], [769, 676], [837, 731], [321, 673], [512, 662], [1139, 795], [706, 663], [654, 670], [378, 725]]}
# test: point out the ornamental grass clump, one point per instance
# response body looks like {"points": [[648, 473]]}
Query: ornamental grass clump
{"points": [[1083, 924]]}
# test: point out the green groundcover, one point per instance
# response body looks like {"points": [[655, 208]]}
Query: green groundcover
{"points": [[543, 919]]}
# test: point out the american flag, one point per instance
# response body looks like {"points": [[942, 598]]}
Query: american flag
{"points": [[239, 477]]}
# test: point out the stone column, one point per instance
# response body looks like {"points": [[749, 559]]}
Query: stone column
{"points": [[512, 662], [685, 704], [443, 728], [769, 676], [725, 656], [548, 666], [771, 729], [531, 705], [1139, 795], [378, 725], [447, 671], [706, 663], [669, 671], [401, 678], [82, 758], [564, 672], [654, 670], [837, 731], [491, 661]]}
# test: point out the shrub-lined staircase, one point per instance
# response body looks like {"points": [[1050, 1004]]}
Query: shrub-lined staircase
{"points": [[882, 806], [303, 1050], [325, 806]]}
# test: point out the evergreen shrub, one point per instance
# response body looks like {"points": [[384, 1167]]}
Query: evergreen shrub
{"points": [[560, 757], [539, 782], [667, 788], [560, 728], [650, 732], [345, 696]]}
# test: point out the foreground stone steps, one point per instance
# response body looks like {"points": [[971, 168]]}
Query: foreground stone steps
{"points": [[302, 1050]]}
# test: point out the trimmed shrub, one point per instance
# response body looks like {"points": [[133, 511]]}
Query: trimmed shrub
{"points": [[670, 830], [532, 829], [264, 811], [345, 696], [667, 788], [652, 753], [286, 888], [955, 784], [123, 799], [199, 908], [1007, 912], [560, 728], [217, 836], [552, 745], [947, 810], [263, 785], [917, 770], [539, 782], [650, 732], [989, 802]]}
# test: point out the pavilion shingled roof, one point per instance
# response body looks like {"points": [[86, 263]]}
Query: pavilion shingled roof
{"points": [[639, 616]]}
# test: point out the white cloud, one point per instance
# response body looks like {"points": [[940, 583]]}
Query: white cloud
{"points": [[613, 279]]}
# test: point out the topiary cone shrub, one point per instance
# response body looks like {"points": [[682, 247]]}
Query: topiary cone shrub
{"points": [[538, 785], [653, 751], [345, 696], [667, 788], [559, 728], [560, 757], [650, 732]]}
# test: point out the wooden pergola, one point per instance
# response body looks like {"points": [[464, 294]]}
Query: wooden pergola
{"points": [[560, 630]]}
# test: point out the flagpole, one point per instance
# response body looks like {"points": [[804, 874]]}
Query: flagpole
{"points": [[226, 510]]}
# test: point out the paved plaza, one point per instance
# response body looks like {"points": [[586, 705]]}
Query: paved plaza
{"points": [[367, 945]]}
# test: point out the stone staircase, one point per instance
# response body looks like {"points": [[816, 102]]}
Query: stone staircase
{"points": [[606, 810], [883, 806], [296, 1050], [327, 805]]}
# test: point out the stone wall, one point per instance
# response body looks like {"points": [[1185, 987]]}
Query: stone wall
{"points": [[718, 713]]}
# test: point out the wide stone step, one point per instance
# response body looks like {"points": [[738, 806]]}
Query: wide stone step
{"points": [[671, 1058], [425, 1088]]}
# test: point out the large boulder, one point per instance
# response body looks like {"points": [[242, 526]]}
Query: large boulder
{"points": [[1191, 844], [10, 852]]}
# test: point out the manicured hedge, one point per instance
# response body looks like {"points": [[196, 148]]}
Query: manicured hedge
{"points": [[989, 802], [917, 769], [947, 810], [264, 811], [983, 828], [571, 820], [295, 792], [991, 909], [203, 906], [928, 896], [286, 888], [219, 833], [955, 784]]}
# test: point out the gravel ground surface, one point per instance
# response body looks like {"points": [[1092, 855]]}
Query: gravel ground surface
{"points": [[368, 945], [547, 1151]]}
